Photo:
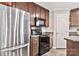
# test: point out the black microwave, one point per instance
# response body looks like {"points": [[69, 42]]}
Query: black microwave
{"points": [[39, 22]]}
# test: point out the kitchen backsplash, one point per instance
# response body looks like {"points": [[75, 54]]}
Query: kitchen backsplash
{"points": [[46, 29], [73, 31]]}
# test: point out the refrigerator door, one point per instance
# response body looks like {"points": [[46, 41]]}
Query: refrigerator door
{"points": [[3, 28], [2, 11], [14, 31]]}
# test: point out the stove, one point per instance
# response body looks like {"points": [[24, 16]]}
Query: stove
{"points": [[44, 44]]}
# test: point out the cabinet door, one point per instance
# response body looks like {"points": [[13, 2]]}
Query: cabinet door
{"points": [[42, 13], [71, 51], [34, 46], [22, 5], [74, 18], [8, 3], [76, 48], [72, 48], [78, 17], [32, 13], [38, 11], [47, 18]]}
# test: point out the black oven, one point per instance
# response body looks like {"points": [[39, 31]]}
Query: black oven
{"points": [[44, 44]]}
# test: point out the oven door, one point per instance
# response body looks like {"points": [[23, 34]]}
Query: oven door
{"points": [[44, 44]]}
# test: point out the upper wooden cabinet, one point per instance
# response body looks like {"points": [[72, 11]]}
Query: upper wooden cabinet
{"points": [[8, 3], [43, 11], [38, 11], [74, 17], [47, 18], [22, 5], [32, 13]]}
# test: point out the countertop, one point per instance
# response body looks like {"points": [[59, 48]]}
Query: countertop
{"points": [[35, 35], [39, 35], [44, 34], [73, 38]]}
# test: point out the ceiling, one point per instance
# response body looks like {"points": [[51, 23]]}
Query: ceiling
{"points": [[59, 5]]}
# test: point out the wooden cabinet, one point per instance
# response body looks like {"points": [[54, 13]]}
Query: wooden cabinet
{"points": [[76, 48], [38, 11], [47, 18], [72, 48], [22, 5], [74, 17], [43, 13], [34, 46], [8, 3], [32, 13]]}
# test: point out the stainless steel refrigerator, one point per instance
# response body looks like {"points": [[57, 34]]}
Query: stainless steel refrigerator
{"points": [[14, 31]]}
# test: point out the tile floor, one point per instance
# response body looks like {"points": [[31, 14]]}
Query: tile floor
{"points": [[56, 52]]}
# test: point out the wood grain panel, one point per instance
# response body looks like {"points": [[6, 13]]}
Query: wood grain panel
{"points": [[22, 5], [34, 46]]}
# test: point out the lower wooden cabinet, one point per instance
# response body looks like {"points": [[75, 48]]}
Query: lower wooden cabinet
{"points": [[34, 46], [72, 48], [76, 47]]}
